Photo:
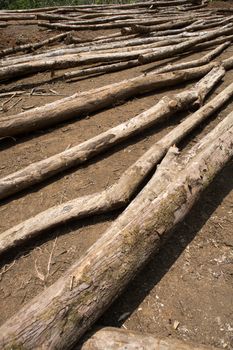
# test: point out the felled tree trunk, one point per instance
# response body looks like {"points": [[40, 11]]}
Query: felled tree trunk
{"points": [[117, 195], [39, 171], [190, 64], [97, 99], [116, 339], [31, 47], [125, 65], [58, 317], [172, 50]]}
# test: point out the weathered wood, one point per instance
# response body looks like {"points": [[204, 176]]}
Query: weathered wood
{"points": [[175, 49], [104, 52], [97, 99], [119, 339], [39, 171], [66, 61], [138, 28], [58, 317], [133, 63], [120, 193], [32, 47], [198, 62]]}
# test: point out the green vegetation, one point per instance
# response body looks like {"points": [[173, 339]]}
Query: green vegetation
{"points": [[24, 4]]}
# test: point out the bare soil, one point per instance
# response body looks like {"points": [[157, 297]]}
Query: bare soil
{"points": [[188, 284]]}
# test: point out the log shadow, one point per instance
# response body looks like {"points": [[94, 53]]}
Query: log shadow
{"points": [[160, 264]]}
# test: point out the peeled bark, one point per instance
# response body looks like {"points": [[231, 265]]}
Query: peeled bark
{"points": [[39, 171], [120, 193], [119, 339], [58, 317]]}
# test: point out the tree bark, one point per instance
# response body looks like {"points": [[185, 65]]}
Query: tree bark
{"points": [[39, 171], [32, 47], [120, 193], [58, 317], [190, 64], [133, 63], [119, 339], [97, 99], [172, 50]]}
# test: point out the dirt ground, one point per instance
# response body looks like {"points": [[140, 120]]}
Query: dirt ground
{"points": [[189, 284]]}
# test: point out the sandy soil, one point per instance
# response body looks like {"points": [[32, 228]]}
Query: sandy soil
{"points": [[189, 281]]}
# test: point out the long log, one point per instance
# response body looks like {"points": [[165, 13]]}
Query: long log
{"points": [[39, 171], [97, 99], [66, 61], [120, 193], [194, 63], [59, 316], [133, 63], [118, 339], [175, 49], [105, 52], [32, 47]]}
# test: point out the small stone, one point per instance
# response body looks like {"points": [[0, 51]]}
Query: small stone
{"points": [[176, 324]]}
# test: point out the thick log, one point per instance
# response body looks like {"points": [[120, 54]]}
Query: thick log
{"points": [[39, 171], [175, 49], [119, 339], [133, 63], [16, 17], [104, 52], [170, 25], [120, 193], [66, 61], [58, 317], [94, 100], [198, 62], [97, 99], [214, 42], [32, 47]]}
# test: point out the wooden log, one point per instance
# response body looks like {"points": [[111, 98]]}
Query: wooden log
{"points": [[116, 339], [16, 17], [133, 63], [96, 99], [175, 49], [32, 47], [119, 194], [214, 42], [59, 316], [66, 61], [198, 62], [39, 171], [105, 52], [170, 25]]}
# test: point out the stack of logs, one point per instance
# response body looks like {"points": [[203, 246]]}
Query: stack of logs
{"points": [[146, 32]]}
